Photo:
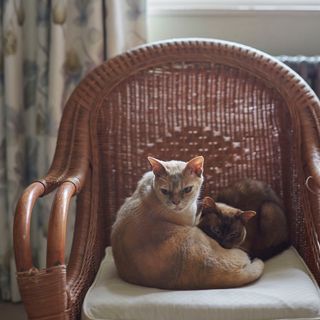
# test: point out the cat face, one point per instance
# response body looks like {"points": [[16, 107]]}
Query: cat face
{"points": [[177, 184], [224, 223]]}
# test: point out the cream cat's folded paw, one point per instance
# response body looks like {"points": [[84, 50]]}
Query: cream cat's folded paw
{"points": [[256, 268]]}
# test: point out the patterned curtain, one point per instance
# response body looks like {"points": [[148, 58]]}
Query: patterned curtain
{"points": [[46, 47]]}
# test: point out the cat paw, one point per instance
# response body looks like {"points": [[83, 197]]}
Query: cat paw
{"points": [[257, 265]]}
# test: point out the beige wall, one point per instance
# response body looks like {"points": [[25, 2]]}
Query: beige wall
{"points": [[277, 33]]}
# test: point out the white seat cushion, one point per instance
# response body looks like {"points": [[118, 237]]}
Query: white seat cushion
{"points": [[287, 290]]}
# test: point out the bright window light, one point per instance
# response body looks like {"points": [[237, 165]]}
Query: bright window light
{"points": [[234, 4]]}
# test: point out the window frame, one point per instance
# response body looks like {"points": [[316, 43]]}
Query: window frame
{"points": [[231, 6]]}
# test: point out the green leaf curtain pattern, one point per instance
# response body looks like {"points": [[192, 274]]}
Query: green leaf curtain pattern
{"points": [[46, 47]]}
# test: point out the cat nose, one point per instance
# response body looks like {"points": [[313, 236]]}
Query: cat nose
{"points": [[175, 201]]}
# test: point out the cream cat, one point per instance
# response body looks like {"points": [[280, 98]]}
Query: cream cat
{"points": [[156, 244]]}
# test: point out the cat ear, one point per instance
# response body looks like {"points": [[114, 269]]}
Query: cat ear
{"points": [[157, 167], [247, 215], [208, 202], [195, 166], [208, 207]]}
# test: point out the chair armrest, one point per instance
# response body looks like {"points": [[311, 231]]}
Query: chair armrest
{"points": [[49, 286], [310, 130], [58, 224], [310, 117], [47, 293], [22, 220]]}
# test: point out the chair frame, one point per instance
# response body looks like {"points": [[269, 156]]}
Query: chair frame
{"points": [[57, 292]]}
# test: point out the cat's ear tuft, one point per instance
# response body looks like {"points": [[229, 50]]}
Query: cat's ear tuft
{"points": [[247, 215], [195, 166], [157, 167], [208, 202]]}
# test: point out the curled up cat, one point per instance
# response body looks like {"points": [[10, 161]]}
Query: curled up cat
{"points": [[248, 215], [155, 242]]}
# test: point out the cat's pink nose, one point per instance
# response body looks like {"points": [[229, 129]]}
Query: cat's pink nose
{"points": [[175, 201]]}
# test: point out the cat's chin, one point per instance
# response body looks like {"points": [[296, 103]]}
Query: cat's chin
{"points": [[177, 209]]}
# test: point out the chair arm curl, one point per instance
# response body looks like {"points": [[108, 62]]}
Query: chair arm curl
{"points": [[310, 117], [58, 224], [22, 220], [310, 130]]}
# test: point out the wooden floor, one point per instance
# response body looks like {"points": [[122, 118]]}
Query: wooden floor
{"points": [[12, 311]]}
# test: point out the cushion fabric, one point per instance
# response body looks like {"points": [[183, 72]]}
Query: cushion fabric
{"points": [[287, 290]]}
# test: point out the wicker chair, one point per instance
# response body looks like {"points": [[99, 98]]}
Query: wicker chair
{"points": [[248, 114]]}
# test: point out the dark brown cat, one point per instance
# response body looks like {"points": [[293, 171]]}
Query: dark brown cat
{"points": [[233, 223], [224, 223]]}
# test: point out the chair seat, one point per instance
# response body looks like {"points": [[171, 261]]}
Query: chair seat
{"points": [[287, 290]]}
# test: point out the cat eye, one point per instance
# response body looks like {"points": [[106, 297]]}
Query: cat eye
{"points": [[165, 191], [187, 189], [217, 232], [234, 235]]}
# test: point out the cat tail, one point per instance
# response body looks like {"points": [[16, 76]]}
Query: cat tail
{"points": [[237, 278], [251, 272]]}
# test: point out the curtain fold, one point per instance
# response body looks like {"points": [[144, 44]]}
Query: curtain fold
{"points": [[47, 47]]}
